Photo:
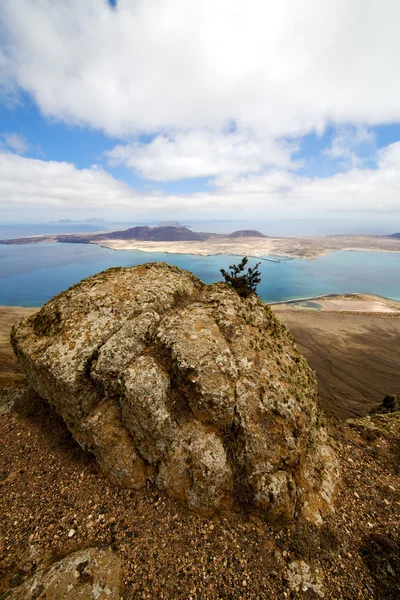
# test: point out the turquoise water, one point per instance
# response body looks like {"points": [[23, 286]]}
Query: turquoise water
{"points": [[31, 274]]}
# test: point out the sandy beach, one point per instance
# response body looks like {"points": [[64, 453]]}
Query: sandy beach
{"points": [[364, 303]]}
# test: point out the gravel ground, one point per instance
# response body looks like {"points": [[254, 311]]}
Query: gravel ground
{"points": [[54, 501]]}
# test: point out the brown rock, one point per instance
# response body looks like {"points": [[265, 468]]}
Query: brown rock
{"points": [[390, 404], [86, 574], [162, 376]]}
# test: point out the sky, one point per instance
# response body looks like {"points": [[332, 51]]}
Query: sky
{"points": [[146, 110]]}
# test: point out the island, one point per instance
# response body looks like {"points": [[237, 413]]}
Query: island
{"points": [[174, 239]]}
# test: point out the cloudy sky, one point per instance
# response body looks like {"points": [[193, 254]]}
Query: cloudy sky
{"points": [[200, 109]]}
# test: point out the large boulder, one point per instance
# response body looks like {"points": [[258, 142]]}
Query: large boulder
{"points": [[188, 385]]}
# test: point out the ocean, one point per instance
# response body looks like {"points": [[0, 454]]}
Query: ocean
{"points": [[272, 227], [31, 274]]}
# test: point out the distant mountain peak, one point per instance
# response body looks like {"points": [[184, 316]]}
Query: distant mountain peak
{"points": [[246, 233], [169, 233], [91, 220]]}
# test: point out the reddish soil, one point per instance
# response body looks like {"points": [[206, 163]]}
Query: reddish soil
{"points": [[50, 488]]}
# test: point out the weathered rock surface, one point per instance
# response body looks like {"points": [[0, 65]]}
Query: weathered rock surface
{"points": [[165, 378], [87, 575]]}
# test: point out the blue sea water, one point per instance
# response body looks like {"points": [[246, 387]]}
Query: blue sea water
{"points": [[10, 231], [31, 274]]}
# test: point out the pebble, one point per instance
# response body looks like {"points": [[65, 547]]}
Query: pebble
{"points": [[71, 533]]}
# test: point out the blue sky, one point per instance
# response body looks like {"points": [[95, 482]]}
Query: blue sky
{"points": [[133, 110]]}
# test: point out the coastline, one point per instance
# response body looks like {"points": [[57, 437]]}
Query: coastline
{"points": [[302, 247], [306, 248]]}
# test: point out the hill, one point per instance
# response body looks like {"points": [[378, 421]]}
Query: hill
{"points": [[169, 233], [243, 233]]}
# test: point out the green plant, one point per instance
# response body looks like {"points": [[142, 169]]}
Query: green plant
{"points": [[244, 283]]}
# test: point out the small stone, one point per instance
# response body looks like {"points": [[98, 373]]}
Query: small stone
{"points": [[390, 570], [71, 533], [244, 583], [356, 495]]}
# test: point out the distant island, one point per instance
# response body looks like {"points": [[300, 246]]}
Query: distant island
{"points": [[177, 239], [171, 224], [91, 220]]}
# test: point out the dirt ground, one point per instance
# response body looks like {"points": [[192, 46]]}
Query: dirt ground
{"points": [[355, 355], [49, 487], [9, 372]]}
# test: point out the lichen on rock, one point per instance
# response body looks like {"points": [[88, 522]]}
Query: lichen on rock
{"points": [[165, 378], [85, 574]]}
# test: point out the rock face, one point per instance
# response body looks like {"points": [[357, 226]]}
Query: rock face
{"points": [[188, 385], [86, 575]]}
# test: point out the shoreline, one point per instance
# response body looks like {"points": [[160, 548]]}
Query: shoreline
{"points": [[259, 248], [284, 248], [284, 257]]}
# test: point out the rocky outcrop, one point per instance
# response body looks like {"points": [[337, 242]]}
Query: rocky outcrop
{"points": [[86, 574], [188, 385], [390, 404]]}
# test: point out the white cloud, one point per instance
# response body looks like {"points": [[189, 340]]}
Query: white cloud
{"points": [[389, 157], [52, 188], [15, 142], [200, 153], [284, 68], [347, 142], [32, 184]]}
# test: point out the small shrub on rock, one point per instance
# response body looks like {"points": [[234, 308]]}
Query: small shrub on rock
{"points": [[244, 283]]}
